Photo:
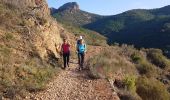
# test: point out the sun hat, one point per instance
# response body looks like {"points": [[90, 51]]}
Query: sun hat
{"points": [[81, 37]]}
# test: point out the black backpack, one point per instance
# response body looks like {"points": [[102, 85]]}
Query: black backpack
{"points": [[78, 42]]}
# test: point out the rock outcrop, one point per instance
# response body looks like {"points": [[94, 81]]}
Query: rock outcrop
{"points": [[37, 32], [71, 6]]}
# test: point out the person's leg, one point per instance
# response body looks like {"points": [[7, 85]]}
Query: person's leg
{"points": [[68, 59], [64, 59], [82, 60], [79, 59]]}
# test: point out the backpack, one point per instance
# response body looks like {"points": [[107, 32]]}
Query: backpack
{"points": [[78, 42]]}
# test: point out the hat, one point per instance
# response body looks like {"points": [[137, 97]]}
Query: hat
{"points": [[81, 37]]}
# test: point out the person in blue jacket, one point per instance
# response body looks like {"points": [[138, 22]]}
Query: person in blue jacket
{"points": [[81, 49]]}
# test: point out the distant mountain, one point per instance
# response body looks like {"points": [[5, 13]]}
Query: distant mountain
{"points": [[72, 18], [70, 13], [140, 27], [143, 28], [53, 10]]}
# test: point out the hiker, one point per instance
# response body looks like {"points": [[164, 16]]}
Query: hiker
{"points": [[65, 50], [78, 42], [81, 50]]}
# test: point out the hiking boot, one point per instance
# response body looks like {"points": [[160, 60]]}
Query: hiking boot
{"points": [[79, 69], [63, 68]]}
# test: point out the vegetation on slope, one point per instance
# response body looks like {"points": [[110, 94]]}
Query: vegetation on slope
{"points": [[91, 37], [142, 28], [21, 68], [70, 12], [132, 27], [72, 18], [135, 73]]}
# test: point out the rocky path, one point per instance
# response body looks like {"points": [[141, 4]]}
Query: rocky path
{"points": [[72, 84]]}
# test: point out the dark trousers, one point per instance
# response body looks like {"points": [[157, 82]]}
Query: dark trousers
{"points": [[81, 59], [66, 58]]}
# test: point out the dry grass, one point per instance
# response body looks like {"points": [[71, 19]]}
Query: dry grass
{"points": [[156, 57], [108, 62], [133, 64], [31, 74], [9, 16], [151, 89], [19, 72], [143, 65]]}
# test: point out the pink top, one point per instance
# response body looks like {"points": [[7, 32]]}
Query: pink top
{"points": [[66, 48]]}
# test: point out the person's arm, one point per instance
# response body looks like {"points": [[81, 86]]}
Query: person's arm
{"points": [[61, 50], [69, 44], [85, 48], [76, 47]]}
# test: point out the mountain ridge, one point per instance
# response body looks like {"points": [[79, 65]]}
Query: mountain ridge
{"points": [[69, 6], [145, 22], [70, 12]]}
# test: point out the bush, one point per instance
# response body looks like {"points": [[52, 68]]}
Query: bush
{"points": [[34, 75], [126, 95], [144, 67], [130, 83], [136, 57], [151, 89], [31, 75], [156, 57], [9, 36], [100, 68], [107, 63]]}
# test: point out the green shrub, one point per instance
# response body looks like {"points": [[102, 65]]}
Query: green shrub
{"points": [[9, 36], [156, 57], [130, 83], [146, 68], [151, 89], [37, 78], [143, 65], [136, 57]]}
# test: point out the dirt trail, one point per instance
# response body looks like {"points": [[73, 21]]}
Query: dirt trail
{"points": [[72, 84]]}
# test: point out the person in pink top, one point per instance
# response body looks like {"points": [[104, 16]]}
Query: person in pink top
{"points": [[65, 50]]}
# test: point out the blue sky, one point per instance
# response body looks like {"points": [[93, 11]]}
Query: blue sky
{"points": [[111, 7]]}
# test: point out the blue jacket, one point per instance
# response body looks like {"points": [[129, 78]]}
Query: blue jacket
{"points": [[81, 48]]}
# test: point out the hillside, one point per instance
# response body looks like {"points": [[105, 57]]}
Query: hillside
{"points": [[139, 24], [28, 41], [70, 13], [145, 28], [91, 37], [72, 18]]}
